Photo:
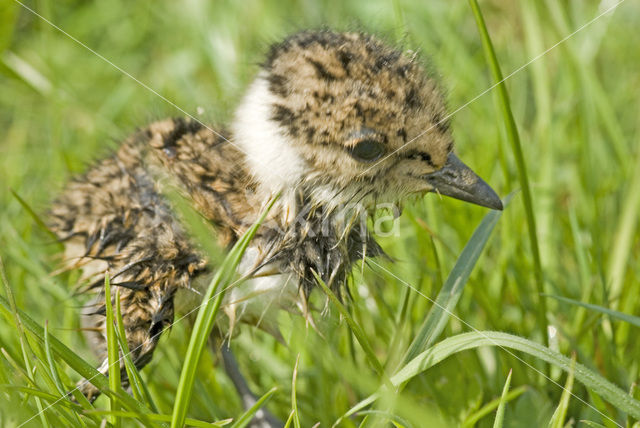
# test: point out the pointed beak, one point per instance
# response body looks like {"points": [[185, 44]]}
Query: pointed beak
{"points": [[457, 180]]}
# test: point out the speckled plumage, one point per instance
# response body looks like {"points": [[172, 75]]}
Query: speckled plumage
{"points": [[321, 102]]}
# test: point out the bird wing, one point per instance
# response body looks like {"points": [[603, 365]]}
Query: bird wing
{"points": [[116, 218]]}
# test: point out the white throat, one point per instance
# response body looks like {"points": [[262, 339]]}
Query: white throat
{"points": [[270, 156]]}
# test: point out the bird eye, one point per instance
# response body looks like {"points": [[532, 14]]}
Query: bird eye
{"points": [[367, 151]]}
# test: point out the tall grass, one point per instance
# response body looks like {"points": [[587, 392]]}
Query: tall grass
{"points": [[576, 115]]}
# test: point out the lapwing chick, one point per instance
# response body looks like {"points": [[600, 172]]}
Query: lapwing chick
{"points": [[334, 123]]}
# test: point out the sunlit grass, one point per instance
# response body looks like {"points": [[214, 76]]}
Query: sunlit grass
{"points": [[576, 114]]}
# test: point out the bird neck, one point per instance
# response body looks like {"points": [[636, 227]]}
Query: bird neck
{"points": [[270, 156], [273, 161]]}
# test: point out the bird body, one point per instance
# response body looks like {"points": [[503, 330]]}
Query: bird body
{"points": [[334, 123]]}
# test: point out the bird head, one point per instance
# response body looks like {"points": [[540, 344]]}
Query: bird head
{"points": [[350, 118]]}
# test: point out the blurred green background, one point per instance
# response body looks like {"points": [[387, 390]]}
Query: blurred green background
{"points": [[576, 107]]}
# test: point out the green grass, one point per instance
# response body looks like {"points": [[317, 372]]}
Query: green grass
{"points": [[205, 320], [574, 113]]}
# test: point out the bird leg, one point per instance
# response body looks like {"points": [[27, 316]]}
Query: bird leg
{"points": [[262, 418]]}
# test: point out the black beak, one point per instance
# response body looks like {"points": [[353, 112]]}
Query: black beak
{"points": [[457, 180]]}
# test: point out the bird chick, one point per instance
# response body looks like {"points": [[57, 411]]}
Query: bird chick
{"points": [[335, 123]]}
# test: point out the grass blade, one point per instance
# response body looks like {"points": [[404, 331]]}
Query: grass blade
{"points": [[633, 320], [465, 341], [357, 331], [357, 408], [204, 321], [289, 420], [514, 140], [592, 424], [74, 361], [24, 344], [26, 72], [396, 420], [621, 250], [246, 417], [492, 405], [52, 367], [18, 368], [189, 422], [54, 372], [560, 414], [452, 289], [35, 217], [52, 398], [498, 422], [113, 353], [294, 395]]}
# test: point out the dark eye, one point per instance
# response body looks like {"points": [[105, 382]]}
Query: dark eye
{"points": [[367, 151]]}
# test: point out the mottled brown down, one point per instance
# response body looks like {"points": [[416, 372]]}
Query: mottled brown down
{"points": [[115, 217], [329, 92]]}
